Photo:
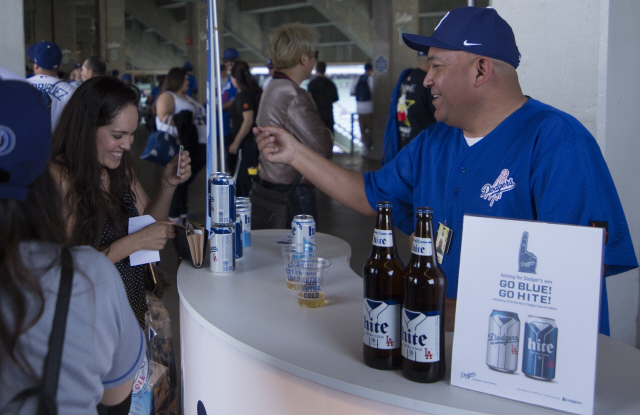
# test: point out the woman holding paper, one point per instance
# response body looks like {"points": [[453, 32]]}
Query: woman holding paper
{"points": [[92, 167]]}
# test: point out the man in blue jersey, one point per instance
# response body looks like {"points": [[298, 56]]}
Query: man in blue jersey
{"points": [[493, 151]]}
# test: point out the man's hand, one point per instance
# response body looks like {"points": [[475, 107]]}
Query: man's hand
{"points": [[276, 144]]}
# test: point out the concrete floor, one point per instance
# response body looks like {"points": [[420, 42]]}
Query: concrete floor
{"points": [[334, 219]]}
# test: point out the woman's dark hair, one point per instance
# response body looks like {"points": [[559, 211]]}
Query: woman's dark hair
{"points": [[174, 80], [38, 218], [94, 104], [241, 73]]}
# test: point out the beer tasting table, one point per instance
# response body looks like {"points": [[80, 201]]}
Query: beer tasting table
{"points": [[247, 347]]}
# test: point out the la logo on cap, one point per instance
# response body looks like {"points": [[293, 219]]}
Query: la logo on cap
{"points": [[7, 140]]}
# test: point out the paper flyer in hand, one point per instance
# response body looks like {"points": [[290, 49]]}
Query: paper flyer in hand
{"points": [[527, 311]]}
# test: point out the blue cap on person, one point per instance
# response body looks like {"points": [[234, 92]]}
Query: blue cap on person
{"points": [[230, 53], [25, 138], [187, 66], [46, 55], [471, 29], [126, 77]]}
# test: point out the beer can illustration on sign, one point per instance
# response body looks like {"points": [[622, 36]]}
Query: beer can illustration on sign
{"points": [[222, 248], [244, 211], [503, 340], [303, 230], [222, 191], [540, 347]]}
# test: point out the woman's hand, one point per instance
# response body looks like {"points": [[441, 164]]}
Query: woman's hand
{"points": [[154, 236], [233, 148], [170, 173]]}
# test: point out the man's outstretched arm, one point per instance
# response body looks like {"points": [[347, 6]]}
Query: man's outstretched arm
{"points": [[343, 185]]}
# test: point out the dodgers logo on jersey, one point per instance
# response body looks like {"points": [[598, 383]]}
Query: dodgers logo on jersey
{"points": [[502, 184]]}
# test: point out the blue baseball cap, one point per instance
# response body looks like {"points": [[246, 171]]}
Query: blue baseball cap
{"points": [[126, 77], [25, 138], [46, 55], [471, 29], [230, 53], [187, 66]]}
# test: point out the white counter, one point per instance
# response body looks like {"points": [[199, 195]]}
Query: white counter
{"points": [[248, 347]]}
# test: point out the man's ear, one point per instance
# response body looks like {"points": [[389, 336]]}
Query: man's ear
{"points": [[484, 69]]}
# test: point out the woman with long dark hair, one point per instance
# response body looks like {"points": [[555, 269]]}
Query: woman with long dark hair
{"points": [[103, 343], [243, 118], [188, 122], [91, 164]]}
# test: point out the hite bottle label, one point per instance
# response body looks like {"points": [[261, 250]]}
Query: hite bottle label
{"points": [[382, 238], [421, 336], [382, 324], [422, 246]]}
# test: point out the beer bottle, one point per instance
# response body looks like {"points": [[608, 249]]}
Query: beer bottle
{"points": [[423, 307], [383, 290]]}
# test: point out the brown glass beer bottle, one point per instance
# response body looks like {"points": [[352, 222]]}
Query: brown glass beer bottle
{"points": [[423, 307], [383, 289]]}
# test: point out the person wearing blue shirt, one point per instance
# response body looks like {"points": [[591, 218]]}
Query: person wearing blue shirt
{"points": [[229, 57], [493, 152], [193, 84]]}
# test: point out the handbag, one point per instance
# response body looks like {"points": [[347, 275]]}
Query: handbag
{"points": [[271, 209], [46, 392], [191, 242], [161, 146]]}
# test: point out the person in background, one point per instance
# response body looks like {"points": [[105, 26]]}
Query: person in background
{"points": [[362, 89], [92, 67], [243, 118], [293, 48], [115, 73], [189, 124], [75, 77], [493, 152], [229, 57], [91, 165], [103, 344], [193, 84], [269, 76], [151, 102], [324, 93], [127, 79], [411, 109], [46, 58]]}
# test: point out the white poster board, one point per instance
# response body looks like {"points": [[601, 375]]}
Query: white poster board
{"points": [[527, 312]]}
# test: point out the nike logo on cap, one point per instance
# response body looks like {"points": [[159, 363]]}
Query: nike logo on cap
{"points": [[466, 43]]}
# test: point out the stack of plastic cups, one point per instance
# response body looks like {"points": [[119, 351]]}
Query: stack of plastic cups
{"points": [[243, 216], [222, 209]]}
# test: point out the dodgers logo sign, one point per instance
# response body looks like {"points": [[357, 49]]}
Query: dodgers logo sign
{"points": [[502, 184]]}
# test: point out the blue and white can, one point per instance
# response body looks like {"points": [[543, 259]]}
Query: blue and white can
{"points": [[539, 348], [303, 230], [243, 211], [222, 191], [222, 248], [237, 233], [503, 341]]}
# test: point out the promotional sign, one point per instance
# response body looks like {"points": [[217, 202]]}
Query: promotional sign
{"points": [[527, 312]]}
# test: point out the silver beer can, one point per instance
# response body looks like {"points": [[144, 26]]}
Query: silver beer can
{"points": [[303, 230], [222, 247], [503, 341]]}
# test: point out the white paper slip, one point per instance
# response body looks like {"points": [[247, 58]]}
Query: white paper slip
{"points": [[143, 256]]}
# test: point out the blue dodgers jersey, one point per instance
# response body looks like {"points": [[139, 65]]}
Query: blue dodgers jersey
{"points": [[538, 164], [228, 92]]}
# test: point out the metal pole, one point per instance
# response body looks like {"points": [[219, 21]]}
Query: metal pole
{"points": [[216, 70]]}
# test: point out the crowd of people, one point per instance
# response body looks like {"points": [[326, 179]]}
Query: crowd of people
{"points": [[67, 183]]}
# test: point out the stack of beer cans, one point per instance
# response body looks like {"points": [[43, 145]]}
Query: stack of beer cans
{"points": [[230, 223]]}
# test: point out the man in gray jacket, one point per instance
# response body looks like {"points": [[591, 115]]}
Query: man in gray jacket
{"points": [[293, 49]]}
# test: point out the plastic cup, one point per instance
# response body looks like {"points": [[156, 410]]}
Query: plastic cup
{"points": [[312, 273], [293, 252]]}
